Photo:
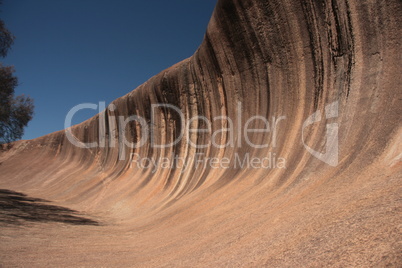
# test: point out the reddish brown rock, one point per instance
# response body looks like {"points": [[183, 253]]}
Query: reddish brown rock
{"points": [[277, 58]]}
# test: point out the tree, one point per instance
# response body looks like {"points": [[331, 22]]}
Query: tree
{"points": [[15, 112], [6, 39]]}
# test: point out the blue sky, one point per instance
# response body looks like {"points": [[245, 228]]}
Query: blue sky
{"points": [[87, 51]]}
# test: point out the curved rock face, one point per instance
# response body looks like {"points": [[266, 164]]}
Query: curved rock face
{"points": [[286, 135]]}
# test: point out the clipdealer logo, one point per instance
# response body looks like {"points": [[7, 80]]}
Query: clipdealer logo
{"points": [[331, 154], [234, 136]]}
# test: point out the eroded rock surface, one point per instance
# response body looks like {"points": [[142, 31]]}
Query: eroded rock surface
{"points": [[271, 58]]}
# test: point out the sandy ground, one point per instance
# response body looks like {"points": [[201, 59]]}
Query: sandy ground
{"points": [[64, 206]]}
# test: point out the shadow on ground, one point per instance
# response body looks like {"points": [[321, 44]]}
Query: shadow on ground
{"points": [[17, 208]]}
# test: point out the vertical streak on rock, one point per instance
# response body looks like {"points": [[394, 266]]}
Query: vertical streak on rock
{"points": [[341, 42], [310, 14]]}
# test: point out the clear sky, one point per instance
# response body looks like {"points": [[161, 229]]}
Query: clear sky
{"points": [[69, 52]]}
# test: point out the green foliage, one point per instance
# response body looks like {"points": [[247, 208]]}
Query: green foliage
{"points": [[6, 39], [15, 112]]}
